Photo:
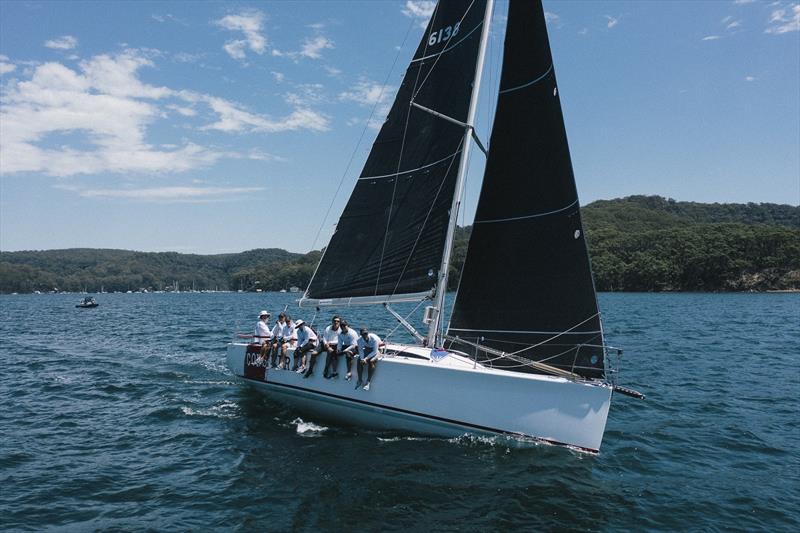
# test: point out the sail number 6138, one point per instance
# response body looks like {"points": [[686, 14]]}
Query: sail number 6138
{"points": [[443, 34]]}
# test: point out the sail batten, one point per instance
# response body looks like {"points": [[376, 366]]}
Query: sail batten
{"points": [[391, 234], [526, 287]]}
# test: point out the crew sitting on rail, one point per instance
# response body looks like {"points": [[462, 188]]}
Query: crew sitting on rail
{"points": [[306, 345], [347, 345], [330, 344], [262, 335], [288, 338], [368, 353], [277, 340]]}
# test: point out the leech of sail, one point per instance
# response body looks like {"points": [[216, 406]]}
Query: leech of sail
{"points": [[535, 215], [540, 78]]}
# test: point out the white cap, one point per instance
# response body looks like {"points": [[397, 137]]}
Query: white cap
{"points": [[262, 313]]}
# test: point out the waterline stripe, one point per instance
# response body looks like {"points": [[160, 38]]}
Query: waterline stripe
{"points": [[527, 216], [529, 83]]}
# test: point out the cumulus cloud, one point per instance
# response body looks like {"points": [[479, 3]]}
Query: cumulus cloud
{"points": [[251, 24], [784, 20], [5, 65], [105, 110], [612, 21], [66, 42], [422, 10]]}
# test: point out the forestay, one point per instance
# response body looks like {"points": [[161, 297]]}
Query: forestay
{"points": [[389, 241], [527, 286]]}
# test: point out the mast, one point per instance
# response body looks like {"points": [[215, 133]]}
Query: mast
{"points": [[441, 287]]}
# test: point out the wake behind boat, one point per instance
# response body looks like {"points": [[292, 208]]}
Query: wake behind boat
{"points": [[530, 362]]}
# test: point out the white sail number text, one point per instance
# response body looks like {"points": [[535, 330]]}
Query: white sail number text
{"points": [[443, 34]]}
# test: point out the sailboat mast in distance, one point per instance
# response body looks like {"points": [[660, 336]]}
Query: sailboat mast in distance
{"points": [[389, 241], [527, 285]]}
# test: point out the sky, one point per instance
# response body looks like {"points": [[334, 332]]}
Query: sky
{"points": [[211, 127]]}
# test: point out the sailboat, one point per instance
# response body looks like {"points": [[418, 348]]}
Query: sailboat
{"points": [[523, 354]]}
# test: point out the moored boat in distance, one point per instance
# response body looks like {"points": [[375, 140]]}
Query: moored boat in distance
{"points": [[530, 362], [87, 303]]}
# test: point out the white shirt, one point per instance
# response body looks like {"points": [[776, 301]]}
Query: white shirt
{"points": [[331, 336], [347, 339], [369, 348], [305, 335], [277, 331], [262, 333], [288, 331]]}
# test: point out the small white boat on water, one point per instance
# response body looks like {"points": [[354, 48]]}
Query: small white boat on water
{"points": [[530, 362]]}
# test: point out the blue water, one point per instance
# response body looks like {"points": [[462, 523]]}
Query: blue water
{"points": [[125, 417]]}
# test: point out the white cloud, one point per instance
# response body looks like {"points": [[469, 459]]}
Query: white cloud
{"points": [[235, 49], [749, 78], [280, 77], [5, 65], [734, 24], [251, 23], [332, 71], [550, 17], [742, 2], [611, 21], [233, 118], [305, 95], [370, 94], [583, 31], [185, 111], [422, 10], [784, 21], [66, 42], [710, 38], [104, 110], [177, 193], [312, 48]]}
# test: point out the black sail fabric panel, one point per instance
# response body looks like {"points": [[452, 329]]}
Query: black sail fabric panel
{"points": [[527, 286], [390, 237]]}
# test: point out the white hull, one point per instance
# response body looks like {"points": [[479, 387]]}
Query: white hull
{"points": [[449, 397]]}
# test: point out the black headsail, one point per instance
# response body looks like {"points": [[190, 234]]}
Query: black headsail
{"points": [[390, 237], [527, 285]]}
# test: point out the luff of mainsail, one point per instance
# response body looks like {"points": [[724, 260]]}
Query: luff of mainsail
{"points": [[526, 286], [389, 240]]}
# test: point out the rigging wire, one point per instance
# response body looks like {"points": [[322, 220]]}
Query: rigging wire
{"points": [[363, 133], [402, 148]]}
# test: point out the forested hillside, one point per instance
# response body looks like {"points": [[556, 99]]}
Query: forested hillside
{"points": [[638, 243]]}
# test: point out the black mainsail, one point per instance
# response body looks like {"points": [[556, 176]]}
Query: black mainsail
{"points": [[527, 286], [390, 238]]}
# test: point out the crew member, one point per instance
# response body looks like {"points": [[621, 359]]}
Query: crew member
{"points": [[347, 345], [368, 354], [306, 346], [277, 340], [262, 335], [330, 342]]}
